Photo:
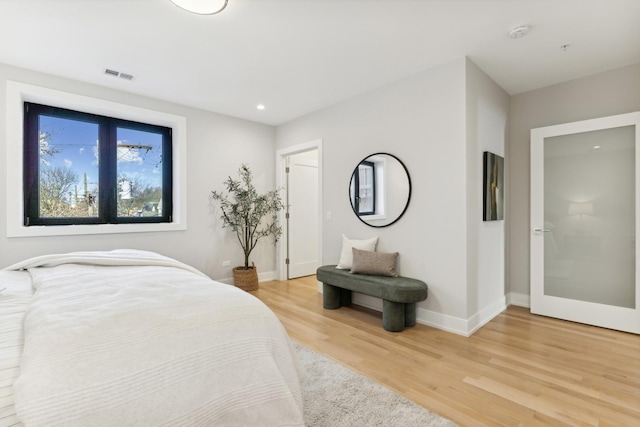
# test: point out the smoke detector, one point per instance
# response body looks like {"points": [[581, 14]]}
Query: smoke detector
{"points": [[519, 31]]}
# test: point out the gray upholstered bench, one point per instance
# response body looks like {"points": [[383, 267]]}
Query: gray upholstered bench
{"points": [[399, 294]]}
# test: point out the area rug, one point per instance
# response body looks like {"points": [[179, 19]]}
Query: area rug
{"points": [[335, 396]]}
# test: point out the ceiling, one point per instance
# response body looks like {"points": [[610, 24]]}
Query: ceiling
{"points": [[299, 56]]}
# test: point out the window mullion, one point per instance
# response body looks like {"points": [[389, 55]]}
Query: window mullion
{"points": [[108, 184]]}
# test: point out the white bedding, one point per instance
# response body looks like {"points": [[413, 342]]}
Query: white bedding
{"points": [[132, 338], [13, 304]]}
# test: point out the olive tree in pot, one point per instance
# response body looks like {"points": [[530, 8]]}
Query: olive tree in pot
{"points": [[250, 216]]}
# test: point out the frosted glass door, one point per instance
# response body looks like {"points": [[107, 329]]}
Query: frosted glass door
{"points": [[584, 223]]}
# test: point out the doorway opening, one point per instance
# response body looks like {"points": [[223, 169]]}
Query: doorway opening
{"points": [[299, 174]]}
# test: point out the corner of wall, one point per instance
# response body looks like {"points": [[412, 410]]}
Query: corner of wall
{"points": [[464, 327], [486, 119]]}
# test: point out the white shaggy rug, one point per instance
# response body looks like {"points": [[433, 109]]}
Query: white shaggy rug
{"points": [[335, 396]]}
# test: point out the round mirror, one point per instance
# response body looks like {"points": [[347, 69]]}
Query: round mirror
{"points": [[380, 189]]}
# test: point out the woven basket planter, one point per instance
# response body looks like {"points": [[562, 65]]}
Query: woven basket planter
{"points": [[246, 279]]}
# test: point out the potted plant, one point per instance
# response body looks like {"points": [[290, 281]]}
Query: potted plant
{"points": [[251, 216]]}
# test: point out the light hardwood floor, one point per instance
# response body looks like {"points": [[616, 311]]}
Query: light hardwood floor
{"points": [[518, 370]]}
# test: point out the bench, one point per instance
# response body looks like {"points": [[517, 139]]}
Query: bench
{"points": [[399, 294]]}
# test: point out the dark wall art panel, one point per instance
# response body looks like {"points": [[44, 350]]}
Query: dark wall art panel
{"points": [[493, 184]]}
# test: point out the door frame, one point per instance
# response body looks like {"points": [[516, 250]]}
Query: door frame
{"points": [[625, 319], [281, 180]]}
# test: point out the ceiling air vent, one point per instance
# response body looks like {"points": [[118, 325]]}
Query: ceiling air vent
{"points": [[114, 73]]}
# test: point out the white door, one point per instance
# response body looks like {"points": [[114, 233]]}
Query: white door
{"points": [[584, 219], [302, 223]]}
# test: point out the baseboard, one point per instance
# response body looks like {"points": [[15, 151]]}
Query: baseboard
{"points": [[456, 325], [266, 276], [460, 326], [521, 300], [442, 321], [486, 314]]}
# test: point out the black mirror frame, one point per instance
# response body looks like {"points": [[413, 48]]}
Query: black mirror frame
{"points": [[408, 195]]}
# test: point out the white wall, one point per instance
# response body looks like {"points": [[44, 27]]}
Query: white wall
{"points": [[605, 94], [422, 120], [217, 145], [487, 130]]}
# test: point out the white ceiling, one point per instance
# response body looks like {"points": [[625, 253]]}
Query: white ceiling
{"points": [[298, 56]]}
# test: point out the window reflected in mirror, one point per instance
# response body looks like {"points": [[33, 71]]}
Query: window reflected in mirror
{"points": [[380, 189], [364, 188]]}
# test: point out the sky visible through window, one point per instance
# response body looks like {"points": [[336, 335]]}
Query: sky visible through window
{"points": [[74, 145]]}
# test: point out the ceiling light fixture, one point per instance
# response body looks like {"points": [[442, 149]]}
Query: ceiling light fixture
{"points": [[202, 7], [260, 107], [519, 31]]}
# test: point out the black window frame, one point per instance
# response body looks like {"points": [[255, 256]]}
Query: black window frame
{"points": [[356, 180], [108, 180]]}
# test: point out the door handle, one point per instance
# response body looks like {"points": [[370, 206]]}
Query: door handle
{"points": [[539, 230]]}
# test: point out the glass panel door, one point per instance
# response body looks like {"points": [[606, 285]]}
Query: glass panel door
{"points": [[589, 212], [584, 204]]}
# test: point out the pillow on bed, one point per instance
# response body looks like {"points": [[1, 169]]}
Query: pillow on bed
{"points": [[376, 263], [346, 257]]}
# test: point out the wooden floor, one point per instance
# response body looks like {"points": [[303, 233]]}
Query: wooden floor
{"points": [[518, 370]]}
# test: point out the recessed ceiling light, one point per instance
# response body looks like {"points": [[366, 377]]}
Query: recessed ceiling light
{"points": [[565, 47], [519, 31], [260, 107], [595, 147]]}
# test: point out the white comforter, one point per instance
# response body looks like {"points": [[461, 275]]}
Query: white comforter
{"points": [[133, 338]]}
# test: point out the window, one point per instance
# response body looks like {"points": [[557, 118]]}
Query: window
{"points": [[364, 188], [17, 93], [82, 168]]}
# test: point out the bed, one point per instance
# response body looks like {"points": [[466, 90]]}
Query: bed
{"points": [[131, 337]]}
